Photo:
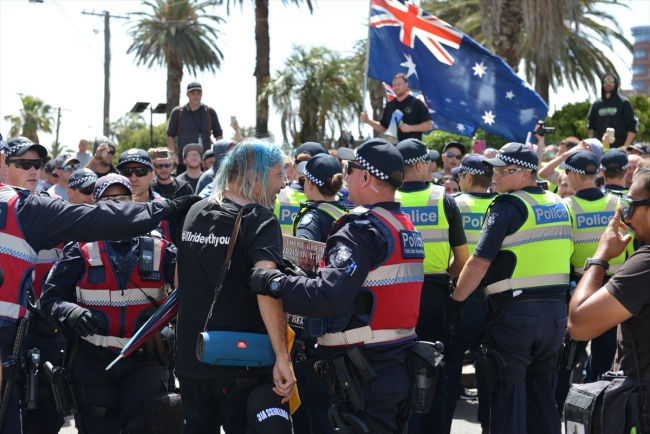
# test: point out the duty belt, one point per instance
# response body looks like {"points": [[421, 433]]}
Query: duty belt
{"points": [[106, 341], [364, 335]]}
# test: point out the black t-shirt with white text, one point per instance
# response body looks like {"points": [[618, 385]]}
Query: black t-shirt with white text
{"points": [[414, 112], [202, 251], [172, 191]]}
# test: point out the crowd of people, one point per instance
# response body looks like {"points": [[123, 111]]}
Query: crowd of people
{"points": [[519, 256]]}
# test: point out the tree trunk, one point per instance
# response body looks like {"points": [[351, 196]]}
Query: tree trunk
{"points": [[262, 66], [542, 83], [506, 41], [174, 78], [377, 94]]}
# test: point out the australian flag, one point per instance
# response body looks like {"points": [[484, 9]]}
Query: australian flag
{"points": [[465, 85]]}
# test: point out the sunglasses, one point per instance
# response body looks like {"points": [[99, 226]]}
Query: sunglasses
{"points": [[506, 172], [139, 172], [110, 152], [453, 155], [352, 165], [163, 166], [86, 190], [71, 167], [629, 205], [26, 164], [117, 197], [609, 80]]}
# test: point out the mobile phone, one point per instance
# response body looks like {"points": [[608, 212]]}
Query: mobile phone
{"points": [[104, 153], [233, 119], [161, 154], [610, 135], [146, 255], [543, 184]]}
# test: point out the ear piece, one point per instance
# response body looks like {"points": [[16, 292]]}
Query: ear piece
{"points": [[372, 187]]}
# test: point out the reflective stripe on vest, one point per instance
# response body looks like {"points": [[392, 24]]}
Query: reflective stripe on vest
{"points": [[542, 245], [331, 210], [44, 263], [473, 210], [287, 206], [588, 222], [426, 209], [17, 257], [396, 286]]}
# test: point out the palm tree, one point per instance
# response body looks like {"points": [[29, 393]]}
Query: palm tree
{"points": [[317, 88], [34, 116], [564, 52], [263, 57], [177, 33]]}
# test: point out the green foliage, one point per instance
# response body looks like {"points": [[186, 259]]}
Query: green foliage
{"points": [[35, 116], [131, 131], [641, 106], [251, 132], [570, 120], [57, 149], [437, 139]]}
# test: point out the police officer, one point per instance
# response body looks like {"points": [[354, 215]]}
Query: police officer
{"points": [[102, 293], [436, 215], [613, 166], [323, 179], [590, 210], [287, 205], [524, 253], [24, 159], [368, 286], [474, 180], [30, 223], [81, 184], [248, 181]]}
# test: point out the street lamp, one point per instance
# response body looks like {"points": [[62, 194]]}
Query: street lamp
{"points": [[139, 107]]}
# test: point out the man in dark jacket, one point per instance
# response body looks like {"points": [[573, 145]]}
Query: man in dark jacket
{"points": [[612, 111]]}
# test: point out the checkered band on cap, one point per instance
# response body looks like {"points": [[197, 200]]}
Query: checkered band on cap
{"points": [[312, 178], [573, 169], [10, 150], [136, 159], [516, 161], [424, 157], [471, 170], [113, 180], [80, 181], [622, 168], [370, 168], [3, 144]]}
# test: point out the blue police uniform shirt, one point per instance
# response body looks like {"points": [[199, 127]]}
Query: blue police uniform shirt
{"points": [[316, 224], [333, 290], [590, 194]]}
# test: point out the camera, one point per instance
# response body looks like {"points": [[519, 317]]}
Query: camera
{"points": [[543, 129]]}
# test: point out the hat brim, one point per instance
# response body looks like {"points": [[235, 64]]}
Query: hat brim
{"points": [[495, 162], [65, 163], [456, 170], [195, 88], [193, 147], [40, 149], [434, 155], [124, 163], [301, 167], [346, 154], [457, 145]]}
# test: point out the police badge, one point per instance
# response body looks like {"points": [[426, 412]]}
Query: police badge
{"points": [[491, 219], [342, 254]]}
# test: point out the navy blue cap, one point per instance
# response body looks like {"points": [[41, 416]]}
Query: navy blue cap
{"points": [[49, 168], [415, 151], [582, 162], [472, 163], [455, 145], [2, 143], [194, 85], [106, 181], [311, 148], [379, 157], [514, 153], [134, 155], [613, 160], [18, 146], [319, 168], [82, 178], [265, 412]]}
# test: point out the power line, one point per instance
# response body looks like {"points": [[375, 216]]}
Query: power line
{"points": [[78, 31]]}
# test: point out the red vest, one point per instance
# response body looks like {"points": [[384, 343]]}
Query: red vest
{"points": [[164, 225], [17, 258], [44, 263], [121, 308]]}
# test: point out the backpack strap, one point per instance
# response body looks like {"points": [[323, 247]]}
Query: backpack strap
{"points": [[207, 113], [178, 121]]}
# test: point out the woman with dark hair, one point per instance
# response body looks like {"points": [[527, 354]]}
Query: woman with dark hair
{"points": [[323, 180]]}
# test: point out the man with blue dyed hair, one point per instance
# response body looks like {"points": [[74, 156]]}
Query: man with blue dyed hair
{"points": [[247, 184]]}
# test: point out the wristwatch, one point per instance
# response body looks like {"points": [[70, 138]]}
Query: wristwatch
{"points": [[594, 261]]}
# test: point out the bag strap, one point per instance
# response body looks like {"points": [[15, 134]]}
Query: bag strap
{"points": [[178, 121], [207, 113], [642, 401], [226, 265]]}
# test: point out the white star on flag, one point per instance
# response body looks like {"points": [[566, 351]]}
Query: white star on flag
{"points": [[510, 94], [488, 117], [460, 127], [479, 69], [448, 99], [410, 65]]}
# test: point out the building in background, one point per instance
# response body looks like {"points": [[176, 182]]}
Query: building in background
{"points": [[641, 62]]}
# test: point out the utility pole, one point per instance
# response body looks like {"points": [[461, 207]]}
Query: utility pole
{"points": [[107, 65], [58, 123]]}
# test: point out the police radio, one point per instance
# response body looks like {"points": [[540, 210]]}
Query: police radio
{"points": [[146, 255]]}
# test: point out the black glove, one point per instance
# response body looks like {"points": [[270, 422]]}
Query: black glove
{"points": [[453, 314], [292, 269], [180, 207], [81, 321], [261, 280]]}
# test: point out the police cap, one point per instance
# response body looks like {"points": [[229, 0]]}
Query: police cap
{"points": [[473, 164], [582, 162], [614, 160], [319, 168], [311, 148], [82, 178], [414, 151], [378, 157], [106, 181], [3, 144], [18, 146], [134, 155], [514, 153]]}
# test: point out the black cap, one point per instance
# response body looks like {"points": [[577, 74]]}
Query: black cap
{"points": [[194, 85], [473, 163], [614, 160], [455, 145], [319, 168], [379, 157], [638, 147], [266, 413], [102, 139], [582, 162], [134, 155], [18, 146], [514, 153], [207, 154], [414, 151], [82, 178], [49, 168], [311, 148], [62, 159], [106, 181]]}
